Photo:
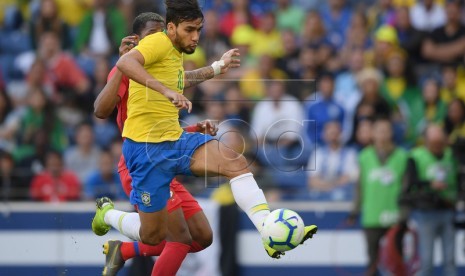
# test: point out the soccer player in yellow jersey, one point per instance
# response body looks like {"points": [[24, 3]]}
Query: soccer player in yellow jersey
{"points": [[156, 148]]}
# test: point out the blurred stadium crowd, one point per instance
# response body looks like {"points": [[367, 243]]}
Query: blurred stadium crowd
{"points": [[402, 59]]}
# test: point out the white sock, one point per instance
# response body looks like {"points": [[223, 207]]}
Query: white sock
{"points": [[250, 198], [127, 224]]}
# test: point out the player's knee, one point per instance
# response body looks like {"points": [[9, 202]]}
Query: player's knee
{"points": [[153, 237], [234, 165], [206, 238], [181, 235]]}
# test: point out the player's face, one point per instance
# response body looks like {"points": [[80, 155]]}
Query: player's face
{"points": [[152, 27], [187, 35]]}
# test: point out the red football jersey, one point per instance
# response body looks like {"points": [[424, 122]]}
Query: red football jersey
{"points": [[123, 95], [122, 107]]}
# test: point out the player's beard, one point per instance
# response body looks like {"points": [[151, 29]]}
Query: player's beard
{"points": [[181, 47]]}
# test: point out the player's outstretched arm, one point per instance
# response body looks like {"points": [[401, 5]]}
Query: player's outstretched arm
{"points": [[228, 60], [108, 98], [131, 65]]}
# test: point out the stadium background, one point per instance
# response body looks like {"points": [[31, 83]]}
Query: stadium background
{"points": [[54, 59]]}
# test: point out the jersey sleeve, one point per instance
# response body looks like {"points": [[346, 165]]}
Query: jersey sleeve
{"points": [[154, 47], [123, 86]]}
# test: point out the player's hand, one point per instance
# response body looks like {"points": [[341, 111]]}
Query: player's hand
{"points": [[127, 44], [207, 127], [231, 60], [178, 100]]}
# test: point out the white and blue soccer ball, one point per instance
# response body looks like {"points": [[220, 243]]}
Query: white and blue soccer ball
{"points": [[283, 230]]}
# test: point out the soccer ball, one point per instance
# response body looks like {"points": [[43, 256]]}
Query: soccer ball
{"points": [[283, 230]]}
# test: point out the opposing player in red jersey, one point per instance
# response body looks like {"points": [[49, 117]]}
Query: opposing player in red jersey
{"points": [[190, 223]]}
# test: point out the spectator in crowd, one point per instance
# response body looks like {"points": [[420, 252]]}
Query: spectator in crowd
{"points": [[55, 184], [39, 77], [399, 89], [453, 86], [454, 126], [345, 85], [289, 16], [315, 36], [100, 31], [236, 109], [382, 167], [83, 158], [277, 127], [102, 68], [410, 38], [8, 121], [215, 110], [253, 82], [324, 110], [336, 15], [371, 104], [385, 41], [357, 35], [104, 181], [380, 13], [62, 68], [431, 110], [289, 62], [105, 131], [242, 38], [309, 65], [363, 136], [267, 39], [39, 115], [273, 117], [426, 15], [239, 14], [429, 192], [14, 183], [454, 123], [332, 169], [72, 12], [115, 149], [446, 44], [49, 21], [213, 41]]}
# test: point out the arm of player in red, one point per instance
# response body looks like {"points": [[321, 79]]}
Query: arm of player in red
{"points": [[206, 127], [117, 85], [110, 95]]}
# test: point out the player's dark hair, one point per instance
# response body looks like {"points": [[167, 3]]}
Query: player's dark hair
{"points": [[141, 20], [179, 11]]}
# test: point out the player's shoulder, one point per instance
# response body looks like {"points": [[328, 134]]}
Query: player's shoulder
{"points": [[159, 37]]}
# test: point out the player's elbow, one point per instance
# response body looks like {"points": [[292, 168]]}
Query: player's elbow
{"points": [[100, 114], [122, 64]]}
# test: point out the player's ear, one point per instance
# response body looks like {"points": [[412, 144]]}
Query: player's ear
{"points": [[171, 28]]}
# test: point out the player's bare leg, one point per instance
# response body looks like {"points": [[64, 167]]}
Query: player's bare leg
{"points": [[213, 159], [153, 226], [201, 232], [177, 245]]}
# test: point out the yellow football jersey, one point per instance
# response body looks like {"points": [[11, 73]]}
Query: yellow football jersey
{"points": [[151, 116]]}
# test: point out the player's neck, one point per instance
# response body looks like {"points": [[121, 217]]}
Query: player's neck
{"points": [[172, 38]]}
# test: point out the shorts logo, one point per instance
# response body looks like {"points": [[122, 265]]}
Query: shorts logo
{"points": [[146, 198]]}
